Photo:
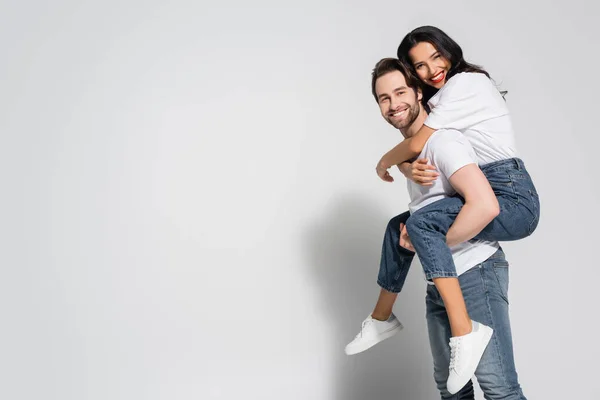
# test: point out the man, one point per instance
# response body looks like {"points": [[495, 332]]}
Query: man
{"points": [[480, 265]]}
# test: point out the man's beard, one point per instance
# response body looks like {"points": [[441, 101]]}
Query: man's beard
{"points": [[413, 113]]}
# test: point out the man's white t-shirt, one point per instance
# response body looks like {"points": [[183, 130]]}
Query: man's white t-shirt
{"points": [[470, 103], [449, 151]]}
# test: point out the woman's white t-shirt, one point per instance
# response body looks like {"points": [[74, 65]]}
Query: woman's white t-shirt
{"points": [[470, 103]]}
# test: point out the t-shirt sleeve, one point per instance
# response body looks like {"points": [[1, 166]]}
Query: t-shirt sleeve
{"points": [[451, 153], [463, 102]]}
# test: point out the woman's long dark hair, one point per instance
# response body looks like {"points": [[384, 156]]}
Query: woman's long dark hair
{"points": [[445, 45]]}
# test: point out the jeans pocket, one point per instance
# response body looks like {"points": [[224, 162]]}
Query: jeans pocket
{"points": [[500, 179], [501, 273], [503, 185]]}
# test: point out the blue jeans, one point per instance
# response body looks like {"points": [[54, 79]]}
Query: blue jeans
{"points": [[485, 289], [427, 227]]}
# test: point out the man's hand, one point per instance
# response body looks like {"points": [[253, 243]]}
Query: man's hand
{"points": [[404, 239], [382, 171], [420, 172]]}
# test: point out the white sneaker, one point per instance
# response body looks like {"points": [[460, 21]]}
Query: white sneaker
{"points": [[372, 332], [465, 353]]}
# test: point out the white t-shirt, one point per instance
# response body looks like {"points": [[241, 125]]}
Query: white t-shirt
{"points": [[470, 103], [449, 151]]}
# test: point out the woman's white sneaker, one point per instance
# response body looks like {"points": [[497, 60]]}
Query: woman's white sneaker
{"points": [[372, 332], [465, 353]]}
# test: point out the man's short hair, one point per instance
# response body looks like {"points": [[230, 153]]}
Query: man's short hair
{"points": [[388, 65]]}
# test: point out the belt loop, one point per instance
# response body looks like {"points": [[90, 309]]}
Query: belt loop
{"points": [[518, 164]]}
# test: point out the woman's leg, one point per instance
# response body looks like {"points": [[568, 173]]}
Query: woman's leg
{"points": [[395, 263], [519, 214], [518, 218], [518, 200], [384, 306], [438, 328], [449, 289], [393, 267]]}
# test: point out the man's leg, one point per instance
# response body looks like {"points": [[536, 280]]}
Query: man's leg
{"points": [[485, 290], [438, 327], [427, 228], [470, 337], [393, 269]]}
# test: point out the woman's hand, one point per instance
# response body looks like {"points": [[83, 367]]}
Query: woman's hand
{"points": [[419, 172], [382, 171], [405, 239]]}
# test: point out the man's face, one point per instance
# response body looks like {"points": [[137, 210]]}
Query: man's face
{"points": [[399, 104]]}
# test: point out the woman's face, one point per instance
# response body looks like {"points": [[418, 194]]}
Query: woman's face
{"points": [[430, 65]]}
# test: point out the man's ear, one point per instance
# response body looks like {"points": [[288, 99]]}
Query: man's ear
{"points": [[419, 95]]}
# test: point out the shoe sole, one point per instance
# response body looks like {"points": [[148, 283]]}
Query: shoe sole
{"points": [[485, 340], [367, 345]]}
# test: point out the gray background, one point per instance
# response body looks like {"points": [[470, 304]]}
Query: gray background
{"points": [[190, 208]]}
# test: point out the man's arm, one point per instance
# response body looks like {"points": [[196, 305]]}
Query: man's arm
{"points": [[481, 205]]}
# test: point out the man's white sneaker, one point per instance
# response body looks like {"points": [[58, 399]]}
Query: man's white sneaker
{"points": [[372, 332], [465, 353]]}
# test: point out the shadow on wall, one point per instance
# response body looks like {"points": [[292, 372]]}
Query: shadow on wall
{"points": [[343, 247]]}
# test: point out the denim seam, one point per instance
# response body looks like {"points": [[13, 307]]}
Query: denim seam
{"points": [[513, 391], [499, 264], [514, 191], [494, 335], [387, 287], [503, 165], [536, 212], [439, 274], [436, 273], [429, 251], [452, 210]]}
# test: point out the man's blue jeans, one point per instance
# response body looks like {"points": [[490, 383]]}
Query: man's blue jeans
{"points": [[484, 288], [427, 228]]}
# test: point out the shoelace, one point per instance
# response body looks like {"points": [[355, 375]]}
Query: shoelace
{"points": [[365, 323], [454, 353]]}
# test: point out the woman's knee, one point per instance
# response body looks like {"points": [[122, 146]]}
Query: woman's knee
{"points": [[417, 223]]}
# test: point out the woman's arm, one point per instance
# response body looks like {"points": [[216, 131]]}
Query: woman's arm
{"points": [[406, 150]]}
